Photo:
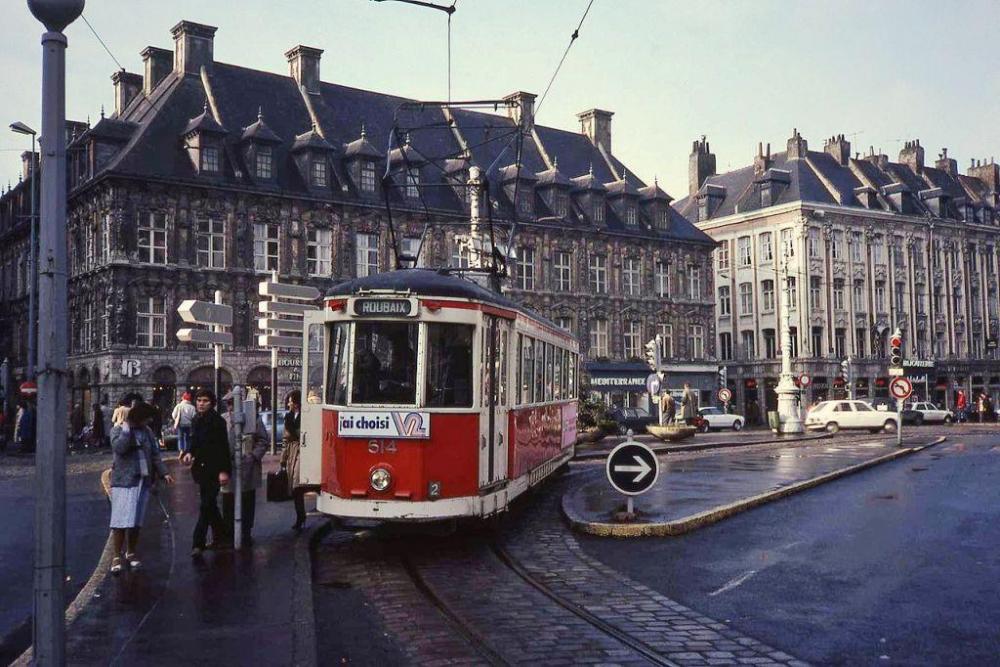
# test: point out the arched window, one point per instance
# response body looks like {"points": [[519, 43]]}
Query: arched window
{"points": [[259, 380], [164, 390], [203, 377]]}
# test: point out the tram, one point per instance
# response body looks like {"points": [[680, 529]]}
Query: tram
{"points": [[430, 397]]}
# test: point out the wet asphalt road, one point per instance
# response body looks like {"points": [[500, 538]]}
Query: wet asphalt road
{"points": [[87, 513], [895, 565]]}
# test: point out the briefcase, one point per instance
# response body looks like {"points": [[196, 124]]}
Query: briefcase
{"points": [[277, 487]]}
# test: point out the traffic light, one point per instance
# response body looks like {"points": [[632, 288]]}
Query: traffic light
{"points": [[845, 369], [896, 349], [722, 376], [653, 353]]}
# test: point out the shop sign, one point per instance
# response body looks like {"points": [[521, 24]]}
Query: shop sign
{"points": [[636, 381]]}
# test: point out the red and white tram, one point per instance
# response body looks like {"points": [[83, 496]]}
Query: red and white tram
{"points": [[430, 397]]}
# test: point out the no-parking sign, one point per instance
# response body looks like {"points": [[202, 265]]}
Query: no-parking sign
{"points": [[900, 388]]}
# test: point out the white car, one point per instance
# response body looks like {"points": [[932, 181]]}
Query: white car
{"points": [[835, 415], [716, 418], [930, 413]]}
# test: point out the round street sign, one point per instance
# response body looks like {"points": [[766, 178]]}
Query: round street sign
{"points": [[632, 468], [725, 395], [28, 388], [900, 388], [804, 380], [653, 383]]}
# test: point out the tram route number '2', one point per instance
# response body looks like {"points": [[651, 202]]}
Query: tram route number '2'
{"points": [[381, 446]]}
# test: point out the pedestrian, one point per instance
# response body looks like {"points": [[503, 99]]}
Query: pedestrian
{"points": [[290, 458], [183, 414], [108, 425], [210, 468], [668, 408], [250, 474], [121, 412], [981, 407], [76, 421], [136, 466], [689, 405], [3, 429], [24, 428], [961, 404], [97, 432]]}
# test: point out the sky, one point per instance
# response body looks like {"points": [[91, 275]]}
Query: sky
{"points": [[739, 72]]}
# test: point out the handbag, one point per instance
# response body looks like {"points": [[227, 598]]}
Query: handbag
{"points": [[277, 486]]}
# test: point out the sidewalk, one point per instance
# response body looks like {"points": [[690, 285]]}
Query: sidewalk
{"points": [[693, 493], [248, 607], [699, 441]]}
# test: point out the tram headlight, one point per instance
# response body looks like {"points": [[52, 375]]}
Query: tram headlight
{"points": [[380, 479]]}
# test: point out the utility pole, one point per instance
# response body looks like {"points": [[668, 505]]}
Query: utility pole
{"points": [[236, 422], [50, 502], [217, 359], [789, 420]]}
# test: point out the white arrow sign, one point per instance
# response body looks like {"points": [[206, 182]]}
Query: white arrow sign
{"points": [[204, 336], [642, 469], [280, 290], [193, 311], [279, 308], [294, 342], [274, 324]]}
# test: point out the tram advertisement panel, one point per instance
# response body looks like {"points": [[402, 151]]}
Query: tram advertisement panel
{"points": [[384, 424]]}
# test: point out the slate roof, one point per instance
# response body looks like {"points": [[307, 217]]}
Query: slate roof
{"points": [[242, 98], [817, 177]]}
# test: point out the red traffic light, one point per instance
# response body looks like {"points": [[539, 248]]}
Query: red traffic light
{"points": [[896, 341]]}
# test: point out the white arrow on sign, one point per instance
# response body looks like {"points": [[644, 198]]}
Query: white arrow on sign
{"points": [[280, 290], [193, 311], [642, 469], [204, 336], [279, 308], [274, 324], [267, 340]]}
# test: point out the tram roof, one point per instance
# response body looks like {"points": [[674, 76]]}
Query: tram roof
{"points": [[432, 283]]}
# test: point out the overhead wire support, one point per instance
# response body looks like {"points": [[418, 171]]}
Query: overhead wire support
{"points": [[447, 9]]}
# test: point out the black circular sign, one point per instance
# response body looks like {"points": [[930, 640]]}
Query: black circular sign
{"points": [[632, 468]]}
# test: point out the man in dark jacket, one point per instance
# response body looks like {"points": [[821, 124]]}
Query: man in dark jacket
{"points": [[210, 468]]}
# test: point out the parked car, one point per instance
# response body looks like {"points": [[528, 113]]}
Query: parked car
{"points": [[835, 415], [636, 419], [716, 418], [927, 413], [265, 416]]}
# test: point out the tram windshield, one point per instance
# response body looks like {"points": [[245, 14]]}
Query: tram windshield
{"points": [[385, 363]]}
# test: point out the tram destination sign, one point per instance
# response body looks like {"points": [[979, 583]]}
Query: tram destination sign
{"points": [[369, 307]]}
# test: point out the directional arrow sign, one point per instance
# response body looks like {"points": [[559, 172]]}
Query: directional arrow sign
{"points": [[280, 290], [279, 308], [274, 324], [205, 312], [632, 468], [294, 342], [204, 336]]}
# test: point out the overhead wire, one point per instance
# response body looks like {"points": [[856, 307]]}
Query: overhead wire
{"points": [[120, 66], [572, 39]]}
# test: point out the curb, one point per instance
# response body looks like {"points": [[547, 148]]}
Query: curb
{"points": [[86, 593], [303, 615], [716, 514], [669, 449]]}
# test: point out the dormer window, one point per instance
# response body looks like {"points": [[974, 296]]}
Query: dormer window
{"points": [[262, 163], [599, 212], [318, 173], [630, 216], [412, 183], [210, 159], [559, 205], [524, 203], [662, 219], [367, 176]]}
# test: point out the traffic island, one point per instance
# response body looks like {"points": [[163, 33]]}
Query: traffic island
{"points": [[692, 494]]}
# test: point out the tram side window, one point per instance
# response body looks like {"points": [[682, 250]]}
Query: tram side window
{"points": [[549, 353], [539, 371], [314, 372], [336, 365], [385, 363], [558, 383], [527, 373], [449, 365], [572, 375]]}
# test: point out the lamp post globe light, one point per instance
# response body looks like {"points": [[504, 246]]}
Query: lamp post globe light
{"points": [[21, 128], [50, 503]]}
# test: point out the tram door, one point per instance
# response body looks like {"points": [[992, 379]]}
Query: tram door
{"points": [[493, 424]]}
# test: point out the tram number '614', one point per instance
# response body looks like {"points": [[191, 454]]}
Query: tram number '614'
{"points": [[381, 446]]}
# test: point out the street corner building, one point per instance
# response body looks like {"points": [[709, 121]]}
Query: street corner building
{"points": [[208, 176], [872, 245]]}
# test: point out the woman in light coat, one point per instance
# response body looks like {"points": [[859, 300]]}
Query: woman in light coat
{"points": [[290, 457], [134, 471]]}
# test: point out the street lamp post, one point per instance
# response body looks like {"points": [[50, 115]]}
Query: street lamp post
{"points": [[21, 128], [789, 420], [50, 502]]}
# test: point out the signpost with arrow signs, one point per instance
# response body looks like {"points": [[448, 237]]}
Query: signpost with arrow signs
{"points": [[632, 469]]}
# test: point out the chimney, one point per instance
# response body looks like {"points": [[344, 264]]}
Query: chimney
{"points": [[27, 164], [523, 108], [839, 148], [157, 64], [878, 159], [912, 155], [761, 161], [193, 47], [303, 63], [988, 173], [127, 86], [701, 165], [596, 124], [947, 164], [797, 146]]}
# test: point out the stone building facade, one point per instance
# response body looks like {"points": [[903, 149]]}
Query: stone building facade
{"points": [[208, 176], [872, 245]]}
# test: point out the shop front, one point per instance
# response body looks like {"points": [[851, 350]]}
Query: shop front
{"points": [[619, 384]]}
